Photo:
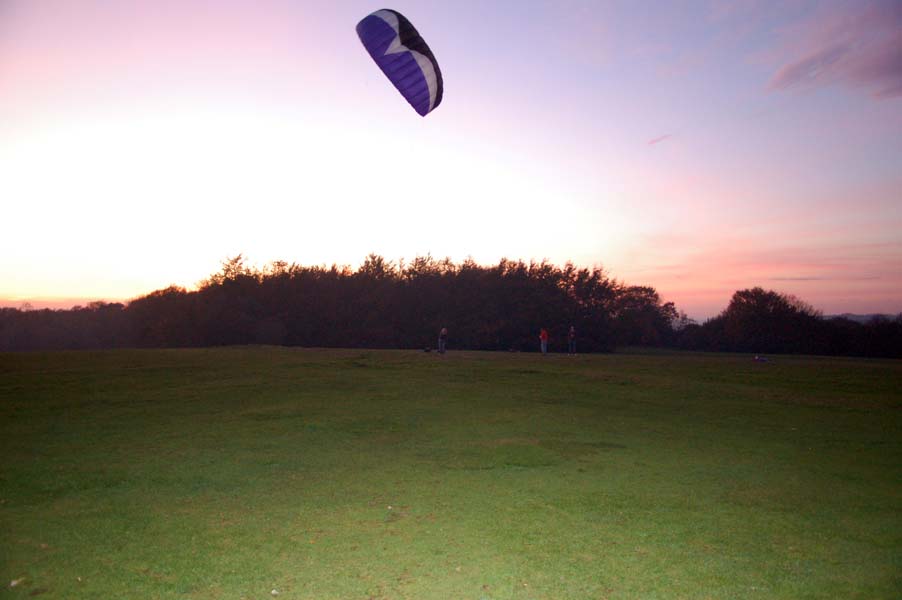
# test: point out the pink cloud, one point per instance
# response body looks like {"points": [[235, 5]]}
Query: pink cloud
{"points": [[660, 139], [835, 270], [858, 45]]}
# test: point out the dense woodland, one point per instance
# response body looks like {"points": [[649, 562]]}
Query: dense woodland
{"points": [[387, 305]]}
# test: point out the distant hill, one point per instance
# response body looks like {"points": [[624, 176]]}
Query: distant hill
{"points": [[860, 318]]}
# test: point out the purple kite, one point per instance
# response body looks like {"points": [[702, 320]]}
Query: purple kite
{"points": [[404, 58]]}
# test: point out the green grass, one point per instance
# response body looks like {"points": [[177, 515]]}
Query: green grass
{"points": [[344, 474]]}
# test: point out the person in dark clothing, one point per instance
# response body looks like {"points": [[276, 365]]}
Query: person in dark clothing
{"points": [[442, 340]]}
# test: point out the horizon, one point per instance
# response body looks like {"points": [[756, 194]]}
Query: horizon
{"points": [[701, 150], [71, 303]]}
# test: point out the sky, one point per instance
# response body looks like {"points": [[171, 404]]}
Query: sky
{"points": [[697, 147]]}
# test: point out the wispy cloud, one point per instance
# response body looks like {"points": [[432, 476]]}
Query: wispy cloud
{"points": [[798, 279], [844, 278], [660, 139], [858, 45]]}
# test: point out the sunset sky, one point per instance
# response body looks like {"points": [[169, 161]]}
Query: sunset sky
{"points": [[697, 147]]}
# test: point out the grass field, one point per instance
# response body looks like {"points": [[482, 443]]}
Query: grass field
{"points": [[315, 474]]}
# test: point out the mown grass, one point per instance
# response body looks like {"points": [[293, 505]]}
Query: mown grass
{"points": [[230, 473]]}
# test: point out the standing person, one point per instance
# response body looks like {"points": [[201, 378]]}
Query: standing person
{"points": [[543, 340], [442, 339], [571, 340]]}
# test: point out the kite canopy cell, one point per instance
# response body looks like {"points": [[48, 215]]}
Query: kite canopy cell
{"points": [[404, 58]]}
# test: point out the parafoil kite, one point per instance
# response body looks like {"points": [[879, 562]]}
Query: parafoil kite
{"points": [[404, 58]]}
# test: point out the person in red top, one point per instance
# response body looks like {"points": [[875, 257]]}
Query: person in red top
{"points": [[543, 340]]}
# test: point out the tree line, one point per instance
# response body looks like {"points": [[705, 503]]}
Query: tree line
{"points": [[384, 304], [765, 321]]}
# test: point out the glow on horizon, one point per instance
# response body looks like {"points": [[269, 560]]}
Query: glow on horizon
{"points": [[134, 158]]}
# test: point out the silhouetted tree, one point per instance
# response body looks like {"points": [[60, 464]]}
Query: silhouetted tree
{"points": [[757, 320], [641, 319]]}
